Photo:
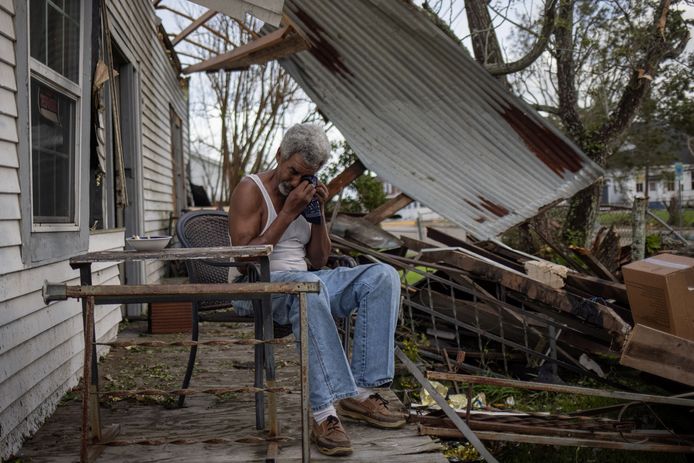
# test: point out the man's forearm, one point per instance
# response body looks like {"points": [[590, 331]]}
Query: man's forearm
{"points": [[318, 249]]}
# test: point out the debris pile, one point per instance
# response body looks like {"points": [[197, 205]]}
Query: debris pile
{"points": [[479, 315]]}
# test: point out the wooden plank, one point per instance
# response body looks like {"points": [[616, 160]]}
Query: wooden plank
{"points": [[559, 388], [192, 27], [293, 43], [218, 253], [449, 240], [660, 353], [388, 208], [206, 417], [344, 178], [219, 61], [559, 299], [593, 263], [618, 443], [599, 287]]}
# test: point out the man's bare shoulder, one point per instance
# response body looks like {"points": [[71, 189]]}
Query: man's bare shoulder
{"points": [[246, 193]]}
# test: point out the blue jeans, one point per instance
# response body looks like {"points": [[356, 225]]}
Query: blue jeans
{"points": [[374, 292]]}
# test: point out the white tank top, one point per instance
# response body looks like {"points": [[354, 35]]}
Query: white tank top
{"points": [[290, 251]]}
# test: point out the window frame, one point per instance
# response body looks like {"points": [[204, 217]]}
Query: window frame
{"points": [[73, 91], [45, 243]]}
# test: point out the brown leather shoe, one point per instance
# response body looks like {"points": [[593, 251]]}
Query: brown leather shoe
{"points": [[330, 437], [374, 411]]}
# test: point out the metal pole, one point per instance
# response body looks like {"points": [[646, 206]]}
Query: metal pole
{"points": [[86, 378], [450, 413], [305, 406], [638, 231]]}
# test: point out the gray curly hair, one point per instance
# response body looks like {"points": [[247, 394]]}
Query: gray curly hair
{"points": [[308, 140]]}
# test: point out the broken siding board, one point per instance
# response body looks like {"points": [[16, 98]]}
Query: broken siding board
{"points": [[660, 353]]}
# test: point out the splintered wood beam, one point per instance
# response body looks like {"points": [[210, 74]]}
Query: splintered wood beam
{"points": [[388, 208], [345, 177], [660, 353], [192, 27], [264, 43], [592, 312], [293, 43]]}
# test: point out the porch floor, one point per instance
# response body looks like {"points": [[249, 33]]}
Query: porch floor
{"points": [[204, 417]]}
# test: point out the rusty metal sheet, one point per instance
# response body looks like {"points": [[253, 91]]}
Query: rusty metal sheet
{"points": [[427, 118]]}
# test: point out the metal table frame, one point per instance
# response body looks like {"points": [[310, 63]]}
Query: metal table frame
{"points": [[263, 290]]}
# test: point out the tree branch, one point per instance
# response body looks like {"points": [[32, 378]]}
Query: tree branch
{"points": [[546, 108], [654, 51], [537, 49]]}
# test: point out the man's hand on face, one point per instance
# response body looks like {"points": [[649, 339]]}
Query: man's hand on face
{"points": [[322, 193], [298, 198]]}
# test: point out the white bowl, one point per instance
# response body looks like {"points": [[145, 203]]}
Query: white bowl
{"points": [[148, 243]]}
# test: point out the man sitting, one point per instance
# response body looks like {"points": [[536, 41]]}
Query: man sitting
{"points": [[267, 209]]}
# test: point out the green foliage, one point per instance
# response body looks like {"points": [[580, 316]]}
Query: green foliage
{"points": [[364, 194], [653, 244]]}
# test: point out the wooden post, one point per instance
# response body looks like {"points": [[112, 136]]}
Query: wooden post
{"points": [[638, 244]]}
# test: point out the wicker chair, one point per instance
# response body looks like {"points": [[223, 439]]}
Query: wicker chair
{"points": [[211, 229]]}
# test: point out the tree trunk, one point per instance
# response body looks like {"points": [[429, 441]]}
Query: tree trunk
{"points": [[485, 44], [583, 211]]}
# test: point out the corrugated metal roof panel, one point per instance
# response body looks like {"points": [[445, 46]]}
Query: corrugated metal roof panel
{"points": [[427, 118]]}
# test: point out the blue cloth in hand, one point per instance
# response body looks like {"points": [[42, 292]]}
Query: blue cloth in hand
{"points": [[312, 212]]}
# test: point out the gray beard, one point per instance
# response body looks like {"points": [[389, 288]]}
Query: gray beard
{"points": [[285, 188]]}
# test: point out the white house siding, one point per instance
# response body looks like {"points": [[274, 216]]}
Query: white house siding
{"points": [[41, 346], [134, 28]]}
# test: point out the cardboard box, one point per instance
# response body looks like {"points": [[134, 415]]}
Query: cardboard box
{"points": [[661, 293]]}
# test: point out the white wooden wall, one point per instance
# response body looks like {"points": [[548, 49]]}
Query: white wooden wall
{"points": [[41, 346], [133, 25]]}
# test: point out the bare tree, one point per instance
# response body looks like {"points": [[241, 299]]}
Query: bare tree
{"points": [[240, 112], [589, 64]]}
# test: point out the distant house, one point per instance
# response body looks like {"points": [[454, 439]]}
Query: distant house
{"points": [[623, 184], [60, 191], [413, 210]]}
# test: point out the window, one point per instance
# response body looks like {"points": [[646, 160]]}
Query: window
{"points": [[54, 99], [651, 186], [691, 177], [670, 185], [639, 187]]}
